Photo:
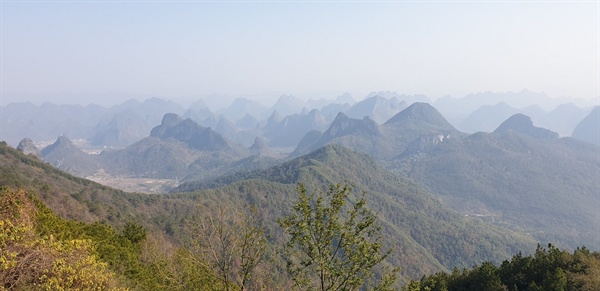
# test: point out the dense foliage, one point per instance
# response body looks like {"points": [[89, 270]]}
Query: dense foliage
{"points": [[41, 251], [35, 258], [546, 269], [333, 245]]}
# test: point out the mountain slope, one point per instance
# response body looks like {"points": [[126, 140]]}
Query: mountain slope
{"points": [[359, 134], [120, 130], [522, 124], [290, 130], [175, 149], [546, 187], [27, 147], [428, 235], [563, 119], [588, 129], [150, 157], [487, 117], [382, 141], [64, 155], [376, 108], [190, 133]]}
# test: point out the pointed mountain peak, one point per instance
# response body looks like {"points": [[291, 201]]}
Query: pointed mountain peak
{"points": [[260, 144], [62, 142], [64, 155], [340, 117], [288, 105], [27, 147], [421, 112], [588, 129], [516, 121], [171, 119], [273, 120], [522, 123], [344, 125], [190, 133], [287, 101], [345, 98]]}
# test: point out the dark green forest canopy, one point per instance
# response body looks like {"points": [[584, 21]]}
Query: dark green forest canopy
{"points": [[547, 269]]}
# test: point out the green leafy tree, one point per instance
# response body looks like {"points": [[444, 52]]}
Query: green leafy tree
{"points": [[546, 269], [333, 244]]}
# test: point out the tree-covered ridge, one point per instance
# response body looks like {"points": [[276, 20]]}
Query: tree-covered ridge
{"points": [[429, 237], [546, 187], [41, 251], [546, 269]]}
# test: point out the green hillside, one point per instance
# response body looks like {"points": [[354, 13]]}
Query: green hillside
{"points": [[426, 236], [546, 187], [425, 232]]}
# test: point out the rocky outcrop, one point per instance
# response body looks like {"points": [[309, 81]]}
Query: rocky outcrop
{"points": [[27, 147]]}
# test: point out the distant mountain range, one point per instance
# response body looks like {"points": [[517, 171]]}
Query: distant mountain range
{"points": [[446, 197], [183, 149], [118, 126], [561, 119], [381, 141], [176, 149], [243, 120], [456, 109]]}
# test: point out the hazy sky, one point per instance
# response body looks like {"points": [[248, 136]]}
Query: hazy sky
{"points": [[93, 50]]}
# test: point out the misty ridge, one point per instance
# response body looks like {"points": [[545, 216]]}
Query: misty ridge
{"points": [[454, 182], [160, 146], [161, 139], [282, 124]]}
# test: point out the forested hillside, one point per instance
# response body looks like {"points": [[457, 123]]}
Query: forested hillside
{"points": [[547, 269], [425, 236], [546, 187]]}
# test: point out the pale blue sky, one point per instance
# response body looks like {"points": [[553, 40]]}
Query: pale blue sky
{"points": [[264, 49]]}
